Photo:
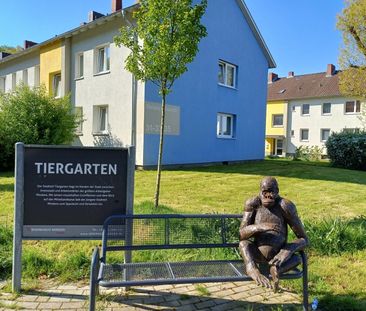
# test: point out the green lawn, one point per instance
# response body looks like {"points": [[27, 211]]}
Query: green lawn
{"points": [[320, 193]]}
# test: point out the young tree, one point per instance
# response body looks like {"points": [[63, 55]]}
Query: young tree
{"points": [[352, 23], [33, 116], [163, 41]]}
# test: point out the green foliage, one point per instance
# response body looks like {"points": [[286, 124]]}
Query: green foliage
{"points": [[169, 32], [6, 241], [347, 150], [335, 236], [308, 153], [32, 116], [10, 49]]}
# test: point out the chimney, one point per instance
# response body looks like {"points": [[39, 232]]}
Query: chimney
{"points": [[93, 16], [3, 55], [330, 70], [28, 44], [291, 74], [272, 77], [116, 5]]}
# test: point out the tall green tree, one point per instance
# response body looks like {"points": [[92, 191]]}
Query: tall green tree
{"points": [[352, 23], [163, 40]]}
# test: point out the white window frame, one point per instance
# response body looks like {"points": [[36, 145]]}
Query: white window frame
{"points": [[100, 127], [282, 148], [56, 85], [222, 125], [301, 134], [355, 102], [102, 65], [302, 110], [2, 84], [79, 65], [321, 134], [327, 113], [273, 119], [225, 66], [80, 120]]}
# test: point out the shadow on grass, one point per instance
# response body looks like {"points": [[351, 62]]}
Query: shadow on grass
{"points": [[331, 302], [7, 187], [286, 168]]}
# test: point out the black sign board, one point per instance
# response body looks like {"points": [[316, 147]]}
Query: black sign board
{"points": [[69, 192]]}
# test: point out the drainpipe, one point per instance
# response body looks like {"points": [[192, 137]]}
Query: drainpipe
{"points": [[134, 92]]}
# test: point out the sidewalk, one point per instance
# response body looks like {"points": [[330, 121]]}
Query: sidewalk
{"points": [[187, 297]]}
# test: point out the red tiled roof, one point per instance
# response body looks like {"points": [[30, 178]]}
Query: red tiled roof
{"points": [[304, 86]]}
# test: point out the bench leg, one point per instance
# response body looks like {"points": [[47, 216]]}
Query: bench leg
{"points": [[94, 287], [305, 292]]}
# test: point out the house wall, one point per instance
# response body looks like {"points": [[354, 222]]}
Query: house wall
{"points": [[113, 89], [50, 63], [29, 62], [198, 97], [315, 121]]}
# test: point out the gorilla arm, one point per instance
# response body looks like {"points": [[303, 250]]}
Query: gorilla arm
{"points": [[293, 220]]}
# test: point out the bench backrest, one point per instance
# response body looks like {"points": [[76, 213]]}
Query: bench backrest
{"points": [[170, 231]]}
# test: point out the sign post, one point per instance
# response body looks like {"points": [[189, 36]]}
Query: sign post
{"points": [[66, 193]]}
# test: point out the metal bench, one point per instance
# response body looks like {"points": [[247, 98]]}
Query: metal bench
{"points": [[157, 232]]}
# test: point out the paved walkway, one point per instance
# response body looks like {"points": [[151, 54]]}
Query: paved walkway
{"points": [[208, 296]]}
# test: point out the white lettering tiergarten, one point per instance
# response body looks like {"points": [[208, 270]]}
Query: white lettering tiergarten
{"points": [[76, 168]]}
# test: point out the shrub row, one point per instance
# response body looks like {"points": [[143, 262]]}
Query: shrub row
{"points": [[347, 150]]}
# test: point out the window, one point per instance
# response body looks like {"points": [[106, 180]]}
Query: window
{"points": [[57, 85], [36, 75], [305, 109], [327, 108], [79, 118], [225, 125], [353, 106], [102, 59], [279, 147], [292, 133], [325, 134], [227, 74], [277, 120], [25, 77], [100, 120], [351, 130], [2, 84], [304, 135], [79, 65]]}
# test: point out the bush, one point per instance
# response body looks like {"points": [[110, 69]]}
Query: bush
{"points": [[308, 153], [6, 245], [347, 150], [32, 116]]}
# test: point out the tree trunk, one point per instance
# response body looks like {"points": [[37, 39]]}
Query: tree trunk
{"points": [[160, 156]]}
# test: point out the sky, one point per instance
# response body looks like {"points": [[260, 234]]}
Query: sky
{"points": [[300, 34]]}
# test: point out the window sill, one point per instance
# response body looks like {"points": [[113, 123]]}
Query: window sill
{"points": [[305, 115], [227, 86], [277, 126], [223, 137], [303, 140], [326, 114], [100, 134], [79, 78], [79, 134], [352, 113], [102, 73]]}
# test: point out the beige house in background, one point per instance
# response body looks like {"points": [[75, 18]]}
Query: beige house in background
{"points": [[305, 110]]}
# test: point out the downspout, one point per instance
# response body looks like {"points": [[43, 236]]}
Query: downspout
{"points": [[134, 92]]}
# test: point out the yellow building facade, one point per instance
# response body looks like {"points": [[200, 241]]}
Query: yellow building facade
{"points": [[276, 120], [50, 66]]}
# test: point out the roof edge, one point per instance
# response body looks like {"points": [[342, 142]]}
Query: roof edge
{"points": [[257, 34]]}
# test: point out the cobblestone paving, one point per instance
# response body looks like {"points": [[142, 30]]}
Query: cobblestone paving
{"points": [[187, 297]]}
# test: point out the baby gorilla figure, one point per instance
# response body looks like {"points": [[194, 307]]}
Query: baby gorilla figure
{"points": [[263, 234]]}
